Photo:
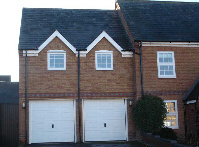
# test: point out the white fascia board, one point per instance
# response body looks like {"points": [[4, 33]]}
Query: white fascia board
{"points": [[127, 54], [43, 45], [171, 44], [104, 35]]}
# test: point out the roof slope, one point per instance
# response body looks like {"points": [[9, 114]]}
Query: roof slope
{"points": [[162, 21], [79, 27], [193, 93], [9, 92]]}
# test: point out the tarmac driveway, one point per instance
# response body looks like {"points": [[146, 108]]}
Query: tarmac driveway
{"points": [[96, 144]]}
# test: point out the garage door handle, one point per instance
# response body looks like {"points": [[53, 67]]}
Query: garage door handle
{"points": [[52, 125], [104, 124]]}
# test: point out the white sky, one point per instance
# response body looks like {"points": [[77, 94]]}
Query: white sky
{"points": [[10, 14]]}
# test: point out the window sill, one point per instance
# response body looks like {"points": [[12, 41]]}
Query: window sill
{"points": [[166, 77], [56, 69], [104, 69]]}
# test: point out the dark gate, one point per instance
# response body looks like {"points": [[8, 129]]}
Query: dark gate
{"points": [[9, 125]]}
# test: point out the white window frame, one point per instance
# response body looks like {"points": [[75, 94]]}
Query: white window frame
{"points": [[56, 52], [104, 52], [173, 113], [163, 63]]}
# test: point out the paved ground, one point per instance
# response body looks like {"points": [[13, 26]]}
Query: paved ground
{"points": [[129, 144]]}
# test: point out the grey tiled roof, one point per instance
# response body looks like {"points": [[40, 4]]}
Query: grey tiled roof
{"points": [[193, 93], [162, 21], [9, 92], [79, 27]]}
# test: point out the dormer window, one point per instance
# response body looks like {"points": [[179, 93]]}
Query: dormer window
{"points": [[104, 60], [56, 60]]}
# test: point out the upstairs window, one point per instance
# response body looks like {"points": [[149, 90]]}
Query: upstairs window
{"points": [[171, 119], [166, 65], [104, 60], [56, 60]]}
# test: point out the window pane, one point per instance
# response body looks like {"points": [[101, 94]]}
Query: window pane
{"points": [[166, 59], [61, 65], [169, 55], [99, 61], [173, 123], [161, 72], [51, 61], [56, 65], [170, 72], [52, 56], [103, 60], [161, 55], [108, 65], [108, 60], [160, 59], [161, 67], [165, 55], [172, 104], [108, 56], [99, 56], [51, 65], [103, 56], [170, 67], [170, 60], [103, 65]]}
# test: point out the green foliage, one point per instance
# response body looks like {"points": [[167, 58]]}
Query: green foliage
{"points": [[167, 133], [149, 113]]}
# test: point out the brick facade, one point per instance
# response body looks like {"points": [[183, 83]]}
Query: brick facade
{"points": [[186, 64], [44, 84]]}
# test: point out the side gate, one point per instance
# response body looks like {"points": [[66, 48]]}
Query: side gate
{"points": [[9, 125]]}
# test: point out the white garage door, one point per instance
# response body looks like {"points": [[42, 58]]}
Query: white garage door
{"points": [[52, 121], [104, 120]]}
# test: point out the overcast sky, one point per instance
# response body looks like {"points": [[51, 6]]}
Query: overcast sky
{"points": [[10, 14]]}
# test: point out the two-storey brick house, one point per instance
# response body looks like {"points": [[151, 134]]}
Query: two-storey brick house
{"points": [[80, 69], [167, 36]]}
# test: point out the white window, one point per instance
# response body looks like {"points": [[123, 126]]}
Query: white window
{"points": [[56, 60], [104, 60], [171, 119], [166, 65]]}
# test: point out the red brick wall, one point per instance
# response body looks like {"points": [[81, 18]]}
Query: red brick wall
{"points": [[42, 83], [186, 64]]}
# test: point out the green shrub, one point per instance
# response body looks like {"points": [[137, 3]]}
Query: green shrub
{"points": [[149, 113], [167, 133]]}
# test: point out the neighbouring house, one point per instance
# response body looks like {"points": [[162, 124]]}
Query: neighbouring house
{"points": [[191, 101], [9, 112], [167, 36], [80, 69]]}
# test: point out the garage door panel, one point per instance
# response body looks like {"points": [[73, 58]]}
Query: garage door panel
{"points": [[105, 122], [52, 121]]}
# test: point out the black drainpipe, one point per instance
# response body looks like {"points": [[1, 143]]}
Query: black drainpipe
{"points": [[141, 72], [26, 78], [185, 120], [79, 96]]}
